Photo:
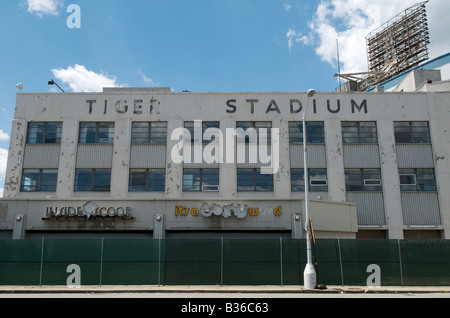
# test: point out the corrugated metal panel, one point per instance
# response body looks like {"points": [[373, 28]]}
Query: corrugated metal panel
{"points": [[420, 208], [41, 156], [361, 156], [316, 156], [148, 156], [415, 156], [94, 156], [370, 207]]}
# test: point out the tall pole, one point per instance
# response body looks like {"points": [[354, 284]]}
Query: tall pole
{"points": [[309, 275]]}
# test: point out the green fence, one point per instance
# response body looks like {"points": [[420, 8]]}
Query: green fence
{"points": [[223, 262]]}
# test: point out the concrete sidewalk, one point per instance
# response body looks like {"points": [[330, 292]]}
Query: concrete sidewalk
{"points": [[221, 289]]}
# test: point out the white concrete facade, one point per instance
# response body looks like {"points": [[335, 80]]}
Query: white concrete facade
{"points": [[338, 212]]}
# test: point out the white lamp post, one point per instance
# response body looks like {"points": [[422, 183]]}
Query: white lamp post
{"points": [[309, 275]]}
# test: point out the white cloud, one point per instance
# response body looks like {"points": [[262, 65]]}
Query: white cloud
{"points": [[41, 7], [287, 6], [83, 80], [3, 136], [351, 21], [146, 79], [3, 161], [296, 37]]}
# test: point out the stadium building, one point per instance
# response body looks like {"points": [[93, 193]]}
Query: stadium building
{"points": [[114, 164]]}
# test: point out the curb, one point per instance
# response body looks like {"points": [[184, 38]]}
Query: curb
{"points": [[219, 289]]}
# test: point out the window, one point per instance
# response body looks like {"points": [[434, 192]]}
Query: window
{"points": [[201, 180], [149, 133], [363, 180], [253, 180], [153, 180], [314, 131], [253, 131], [359, 132], [416, 132], [417, 180], [190, 125], [39, 180], [317, 180], [44, 133], [96, 133], [97, 180]]}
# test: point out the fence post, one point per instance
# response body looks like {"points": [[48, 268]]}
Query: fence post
{"points": [[340, 262], [159, 262], [221, 262], [101, 263], [400, 260], [42, 262], [281, 261]]}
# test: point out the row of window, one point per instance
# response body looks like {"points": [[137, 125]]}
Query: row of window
{"points": [[206, 180], [156, 132]]}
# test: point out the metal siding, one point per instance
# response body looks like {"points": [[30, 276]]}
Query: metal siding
{"points": [[415, 156], [370, 207], [41, 156], [94, 156], [361, 156], [148, 156], [316, 156], [420, 208]]}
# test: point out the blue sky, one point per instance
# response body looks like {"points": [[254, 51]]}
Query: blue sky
{"points": [[196, 45]]}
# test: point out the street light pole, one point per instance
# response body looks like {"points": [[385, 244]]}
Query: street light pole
{"points": [[309, 275]]}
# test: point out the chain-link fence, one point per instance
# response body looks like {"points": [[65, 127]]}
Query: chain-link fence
{"points": [[224, 262]]}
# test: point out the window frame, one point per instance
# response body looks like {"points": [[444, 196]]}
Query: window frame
{"points": [[97, 139], [256, 125], [148, 136], [299, 172], [314, 137], [148, 186], [201, 180], [256, 176], [365, 175], [205, 125], [93, 180], [359, 131], [413, 133], [39, 184], [45, 133], [419, 185]]}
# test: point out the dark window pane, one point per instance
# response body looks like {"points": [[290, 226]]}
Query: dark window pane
{"points": [[264, 182], [30, 180], [297, 180], [191, 180], [246, 180], [314, 130], [83, 180], [210, 179], [412, 132], [138, 179], [156, 180], [35, 134], [88, 133], [49, 179], [426, 180], [102, 180], [105, 133], [53, 133], [140, 133]]}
